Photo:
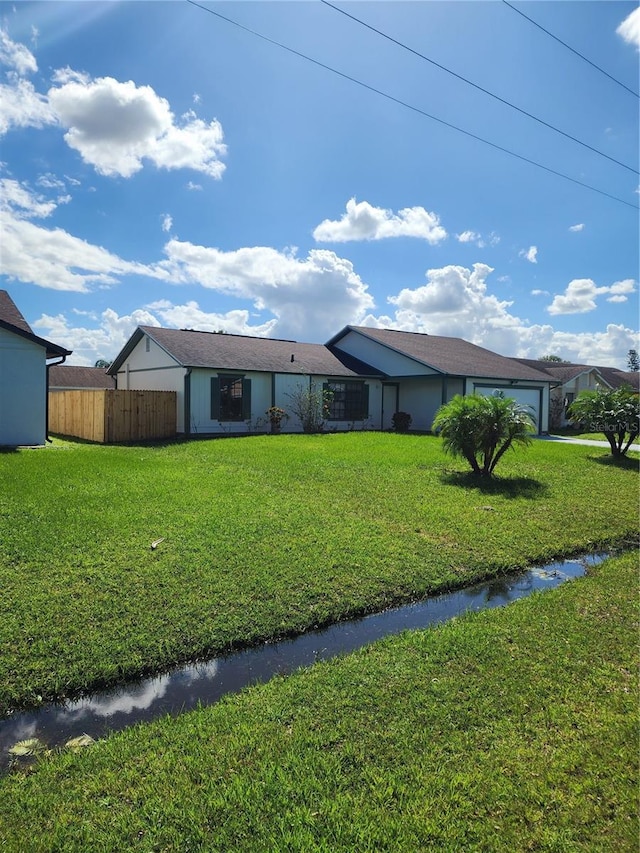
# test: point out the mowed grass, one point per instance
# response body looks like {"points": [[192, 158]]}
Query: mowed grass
{"points": [[507, 730], [263, 536]]}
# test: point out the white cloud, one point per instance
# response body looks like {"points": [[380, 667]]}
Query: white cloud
{"points": [[22, 201], [111, 331], [90, 344], [167, 222], [49, 181], [115, 126], [193, 187], [467, 237], [16, 56], [530, 254], [580, 295], [22, 106], [53, 258], [456, 302], [629, 29], [362, 221], [540, 293], [310, 297], [191, 316], [477, 239], [578, 227]]}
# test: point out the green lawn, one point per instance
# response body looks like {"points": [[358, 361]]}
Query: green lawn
{"points": [[508, 730], [263, 536]]}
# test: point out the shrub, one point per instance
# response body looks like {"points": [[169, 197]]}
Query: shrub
{"points": [[310, 404], [401, 421], [615, 413], [481, 429]]}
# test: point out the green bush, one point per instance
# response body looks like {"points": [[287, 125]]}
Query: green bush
{"points": [[614, 413], [481, 429]]}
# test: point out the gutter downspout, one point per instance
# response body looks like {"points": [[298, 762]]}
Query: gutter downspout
{"points": [[46, 391]]}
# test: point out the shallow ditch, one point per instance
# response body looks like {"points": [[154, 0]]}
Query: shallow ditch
{"points": [[205, 683]]}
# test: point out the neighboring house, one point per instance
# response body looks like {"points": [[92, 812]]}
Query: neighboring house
{"points": [[64, 377], [25, 360], [226, 383], [571, 379], [618, 378]]}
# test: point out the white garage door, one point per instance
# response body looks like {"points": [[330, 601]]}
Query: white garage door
{"points": [[529, 397]]}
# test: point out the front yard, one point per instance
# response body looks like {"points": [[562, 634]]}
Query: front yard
{"points": [[263, 536]]}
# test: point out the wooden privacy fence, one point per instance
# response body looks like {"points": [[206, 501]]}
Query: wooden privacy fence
{"points": [[111, 415]]}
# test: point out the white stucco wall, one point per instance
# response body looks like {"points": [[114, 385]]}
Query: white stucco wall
{"points": [[23, 394], [381, 357], [421, 398]]}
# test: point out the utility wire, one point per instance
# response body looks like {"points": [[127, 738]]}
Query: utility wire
{"points": [[476, 86], [568, 46], [410, 106]]}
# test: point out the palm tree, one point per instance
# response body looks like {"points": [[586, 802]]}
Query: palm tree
{"points": [[481, 429]]}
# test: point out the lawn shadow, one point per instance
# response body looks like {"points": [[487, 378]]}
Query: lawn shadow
{"points": [[508, 487], [623, 463]]}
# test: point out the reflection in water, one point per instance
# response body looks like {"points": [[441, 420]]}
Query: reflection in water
{"points": [[205, 683]]}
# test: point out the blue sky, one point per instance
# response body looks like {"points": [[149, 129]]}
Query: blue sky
{"points": [[162, 166]]}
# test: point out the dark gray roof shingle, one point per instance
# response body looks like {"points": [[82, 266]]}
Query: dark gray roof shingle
{"points": [[12, 319], [453, 356], [10, 314], [69, 376], [237, 352]]}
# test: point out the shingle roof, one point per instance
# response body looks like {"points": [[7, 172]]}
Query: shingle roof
{"points": [[239, 352], [12, 319], [453, 356], [565, 372], [68, 376], [618, 378], [10, 314], [562, 371]]}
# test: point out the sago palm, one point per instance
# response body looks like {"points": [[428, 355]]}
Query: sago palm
{"points": [[482, 428]]}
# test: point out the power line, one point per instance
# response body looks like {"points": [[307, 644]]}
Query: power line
{"points": [[568, 46], [480, 88], [410, 106]]}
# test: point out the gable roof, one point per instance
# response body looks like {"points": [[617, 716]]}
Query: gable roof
{"points": [[618, 378], [12, 320], [453, 356], [68, 376], [244, 353], [565, 372], [561, 371]]}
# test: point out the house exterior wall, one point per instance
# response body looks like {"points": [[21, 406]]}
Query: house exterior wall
{"points": [[23, 391], [590, 380], [153, 369], [268, 389], [381, 357], [421, 398]]}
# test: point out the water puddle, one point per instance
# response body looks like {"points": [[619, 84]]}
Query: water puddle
{"points": [[205, 683]]}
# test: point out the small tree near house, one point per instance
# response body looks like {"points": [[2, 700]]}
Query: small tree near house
{"points": [[481, 429], [615, 413], [310, 404]]}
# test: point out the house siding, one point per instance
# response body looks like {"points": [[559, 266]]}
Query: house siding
{"points": [[381, 357], [23, 391]]}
